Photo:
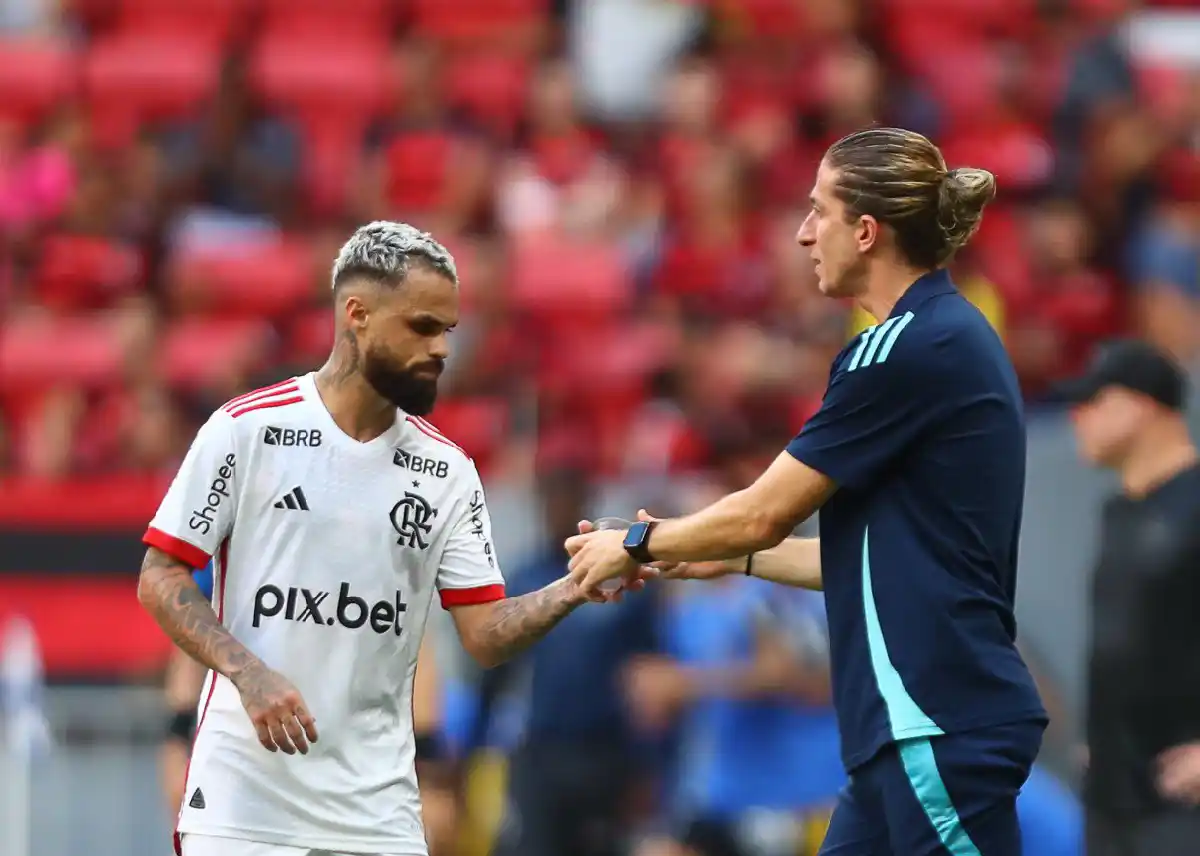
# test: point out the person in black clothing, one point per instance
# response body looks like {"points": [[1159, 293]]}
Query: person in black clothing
{"points": [[580, 765], [1142, 786]]}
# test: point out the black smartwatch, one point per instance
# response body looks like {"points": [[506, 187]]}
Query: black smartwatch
{"points": [[637, 541]]}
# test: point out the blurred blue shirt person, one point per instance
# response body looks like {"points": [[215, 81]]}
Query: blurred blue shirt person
{"points": [[204, 579], [757, 738]]}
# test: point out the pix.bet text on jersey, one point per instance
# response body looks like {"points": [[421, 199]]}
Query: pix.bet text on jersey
{"points": [[327, 552]]}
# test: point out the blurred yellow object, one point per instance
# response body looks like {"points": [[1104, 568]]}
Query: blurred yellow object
{"points": [[483, 803], [815, 825], [977, 289]]}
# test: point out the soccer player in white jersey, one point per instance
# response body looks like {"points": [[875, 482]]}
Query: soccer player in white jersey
{"points": [[332, 511]]}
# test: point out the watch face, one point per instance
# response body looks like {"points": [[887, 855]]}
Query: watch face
{"points": [[635, 535]]}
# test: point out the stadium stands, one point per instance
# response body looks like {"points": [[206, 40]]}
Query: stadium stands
{"points": [[200, 160]]}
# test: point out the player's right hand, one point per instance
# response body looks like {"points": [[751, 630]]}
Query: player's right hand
{"points": [[276, 708]]}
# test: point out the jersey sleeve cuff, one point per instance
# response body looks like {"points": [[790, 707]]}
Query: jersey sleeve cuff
{"points": [[826, 465], [452, 597], [177, 548]]}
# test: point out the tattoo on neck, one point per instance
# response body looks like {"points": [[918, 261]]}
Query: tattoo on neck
{"points": [[344, 361]]}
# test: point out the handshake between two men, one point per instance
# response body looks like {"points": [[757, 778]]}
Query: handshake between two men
{"points": [[604, 563]]}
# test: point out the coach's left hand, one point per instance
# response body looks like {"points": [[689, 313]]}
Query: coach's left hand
{"points": [[597, 557]]}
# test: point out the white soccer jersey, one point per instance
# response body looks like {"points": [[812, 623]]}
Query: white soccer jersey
{"points": [[326, 555]]}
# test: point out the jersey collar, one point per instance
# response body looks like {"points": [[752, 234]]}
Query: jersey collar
{"points": [[930, 285]]}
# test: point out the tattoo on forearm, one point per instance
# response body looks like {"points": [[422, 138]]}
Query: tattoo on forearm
{"points": [[173, 598], [518, 622]]}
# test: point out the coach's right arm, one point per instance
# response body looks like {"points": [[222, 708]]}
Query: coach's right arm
{"points": [[493, 627], [195, 518], [877, 404]]}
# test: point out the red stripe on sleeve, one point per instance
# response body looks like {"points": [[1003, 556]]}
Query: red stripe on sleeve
{"points": [[177, 548], [257, 393], [434, 435], [471, 596], [262, 405]]}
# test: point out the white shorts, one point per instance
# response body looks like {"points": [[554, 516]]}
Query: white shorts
{"points": [[211, 845]]}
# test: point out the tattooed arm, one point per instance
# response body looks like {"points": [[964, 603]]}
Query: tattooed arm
{"points": [[279, 714], [168, 592], [494, 632]]}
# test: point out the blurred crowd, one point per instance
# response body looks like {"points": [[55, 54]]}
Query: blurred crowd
{"points": [[621, 182]]}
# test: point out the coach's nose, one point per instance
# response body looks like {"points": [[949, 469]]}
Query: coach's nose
{"points": [[807, 236]]}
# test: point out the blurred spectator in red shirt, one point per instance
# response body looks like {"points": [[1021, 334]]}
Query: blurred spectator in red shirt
{"points": [[560, 178], [422, 166], [1062, 308], [713, 262]]}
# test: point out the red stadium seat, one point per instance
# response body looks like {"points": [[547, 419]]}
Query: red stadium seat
{"points": [[315, 73], [481, 22], [35, 76], [364, 18], [992, 17], [964, 78], [490, 88], [199, 351], [417, 166], [332, 85], [83, 272], [331, 158], [1018, 153], [609, 361], [94, 15], [309, 336], [571, 282], [477, 425], [266, 280], [37, 353], [599, 376], [133, 79], [759, 20], [212, 20], [1164, 88]]}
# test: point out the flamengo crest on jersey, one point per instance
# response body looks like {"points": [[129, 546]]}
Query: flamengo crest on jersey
{"points": [[327, 553]]}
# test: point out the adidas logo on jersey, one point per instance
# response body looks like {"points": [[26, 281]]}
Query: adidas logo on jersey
{"points": [[301, 604], [294, 499], [273, 436], [197, 800]]}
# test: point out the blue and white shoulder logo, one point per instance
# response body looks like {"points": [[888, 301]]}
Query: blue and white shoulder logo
{"points": [[876, 342]]}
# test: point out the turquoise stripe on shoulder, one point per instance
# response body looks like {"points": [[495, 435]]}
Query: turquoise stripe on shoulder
{"points": [[876, 339], [905, 715], [904, 321], [920, 765], [862, 346]]}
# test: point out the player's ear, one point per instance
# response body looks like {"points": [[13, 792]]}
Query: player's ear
{"points": [[355, 311], [867, 233]]}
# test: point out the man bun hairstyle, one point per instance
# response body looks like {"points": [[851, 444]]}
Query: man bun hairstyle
{"points": [[964, 193], [900, 178]]}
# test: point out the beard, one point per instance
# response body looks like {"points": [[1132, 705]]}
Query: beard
{"points": [[402, 387]]}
